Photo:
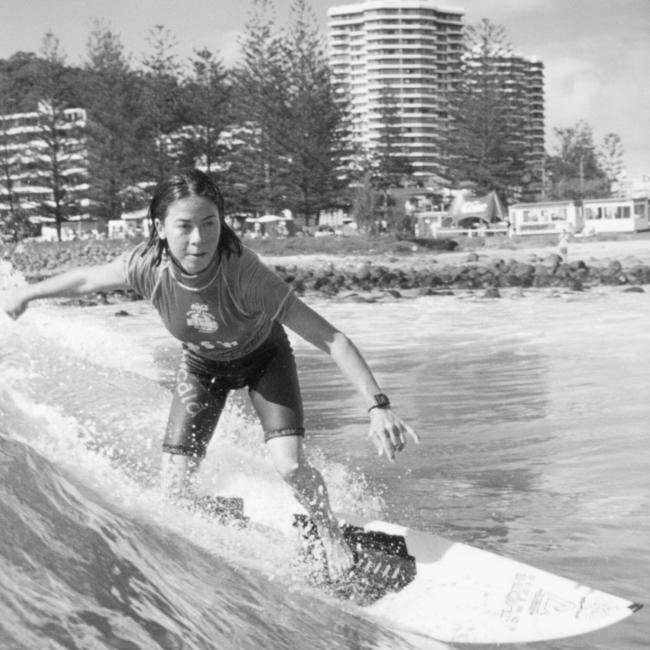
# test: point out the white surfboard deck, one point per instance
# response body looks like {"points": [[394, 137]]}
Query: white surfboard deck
{"points": [[462, 594], [452, 592]]}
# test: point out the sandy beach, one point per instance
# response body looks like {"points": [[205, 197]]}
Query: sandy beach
{"points": [[593, 253]]}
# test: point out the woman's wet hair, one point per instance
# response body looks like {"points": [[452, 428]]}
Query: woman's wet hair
{"points": [[181, 185]]}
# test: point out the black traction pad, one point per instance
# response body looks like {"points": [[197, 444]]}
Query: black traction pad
{"points": [[382, 563]]}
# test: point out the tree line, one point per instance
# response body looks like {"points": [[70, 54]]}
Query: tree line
{"points": [[273, 129], [484, 144]]}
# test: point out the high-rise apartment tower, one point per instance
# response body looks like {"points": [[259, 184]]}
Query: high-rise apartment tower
{"points": [[408, 51]]}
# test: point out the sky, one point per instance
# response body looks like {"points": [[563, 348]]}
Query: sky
{"points": [[596, 53]]}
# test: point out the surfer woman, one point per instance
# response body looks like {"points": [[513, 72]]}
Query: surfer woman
{"points": [[228, 310]]}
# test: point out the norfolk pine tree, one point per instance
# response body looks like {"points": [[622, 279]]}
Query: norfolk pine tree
{"points": [[159, 107], [483, 144], [21, 72], [312, 123], [55, 153], [206, 110], [574, 170], [114, 129], [258, 171], [390, 167], [610, 158]]}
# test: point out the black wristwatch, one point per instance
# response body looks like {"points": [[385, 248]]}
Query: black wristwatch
{"points": [[381, 402]]}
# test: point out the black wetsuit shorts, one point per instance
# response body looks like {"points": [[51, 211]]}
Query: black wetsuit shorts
{"points": [[202, 387]]}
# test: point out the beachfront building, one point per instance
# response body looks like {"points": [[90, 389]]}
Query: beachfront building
{"points": [[397, 58], [545, 217], [30, 156], [616, 215], [588, 217]]}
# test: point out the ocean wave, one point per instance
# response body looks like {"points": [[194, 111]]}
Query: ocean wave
{"points": [[91, 556], [76, 573]]}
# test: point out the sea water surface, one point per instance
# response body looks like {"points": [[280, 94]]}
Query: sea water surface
{"points": [[533, 412]]}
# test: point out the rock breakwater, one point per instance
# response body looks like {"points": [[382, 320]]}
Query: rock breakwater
{"points": [[374, 278], [397, 279]]}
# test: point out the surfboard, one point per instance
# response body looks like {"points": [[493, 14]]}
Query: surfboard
{"points": [[452, 592]]}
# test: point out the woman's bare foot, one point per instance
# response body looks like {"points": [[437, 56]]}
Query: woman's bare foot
{"points": [[178, 476], [339, 556]]}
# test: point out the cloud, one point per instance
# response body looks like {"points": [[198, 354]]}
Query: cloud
{"points": [[495, 7], [227, 44], [573, 89]]}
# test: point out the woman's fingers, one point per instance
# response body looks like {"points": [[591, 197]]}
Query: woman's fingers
{"points": [[397, 437], [377, 440], [382, 441], [399, 433], [390, 434], [389, 448], [411, 432]]}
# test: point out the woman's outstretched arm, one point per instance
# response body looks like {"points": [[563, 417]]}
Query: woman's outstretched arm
{"points": [[387, 430], [76, 282]]}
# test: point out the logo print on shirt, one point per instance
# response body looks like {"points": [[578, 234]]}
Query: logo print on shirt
{"points": [[201, 319]]}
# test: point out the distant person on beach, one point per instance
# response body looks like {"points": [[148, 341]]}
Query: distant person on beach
{"points": [[228, 310], [563, 244]]}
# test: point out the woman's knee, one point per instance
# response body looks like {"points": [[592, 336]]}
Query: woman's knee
{"points": [[288, 457], [290, 470]]}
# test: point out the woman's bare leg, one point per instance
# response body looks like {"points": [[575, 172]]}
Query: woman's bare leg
{"points": [[178, 475], [278, 403], [287, 454]]}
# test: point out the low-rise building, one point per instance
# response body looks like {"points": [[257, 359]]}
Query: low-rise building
{"points": [[545, 217], [589, 216], [616, 215]]}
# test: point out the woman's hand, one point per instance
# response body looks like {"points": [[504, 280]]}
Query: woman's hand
{"points": [[388, 432], [13, 303]]}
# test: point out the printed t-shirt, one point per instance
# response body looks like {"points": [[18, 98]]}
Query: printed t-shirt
{"points": [[222, 313]]}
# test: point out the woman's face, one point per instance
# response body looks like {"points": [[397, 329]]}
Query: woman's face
{"points": [[192, 229]]}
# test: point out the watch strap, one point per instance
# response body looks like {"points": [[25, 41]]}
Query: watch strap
{"points": [[381, 402]]}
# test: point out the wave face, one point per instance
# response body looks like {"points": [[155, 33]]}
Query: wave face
{"points": [[78, 573], [91, 556], [532, 414]]}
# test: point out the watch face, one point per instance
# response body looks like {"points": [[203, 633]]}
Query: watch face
{"points": [[382, 400]]}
